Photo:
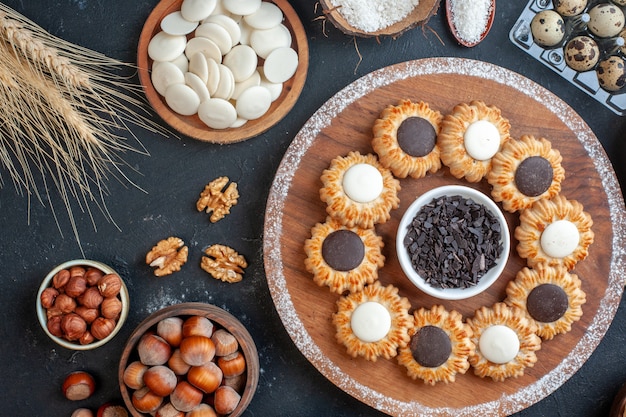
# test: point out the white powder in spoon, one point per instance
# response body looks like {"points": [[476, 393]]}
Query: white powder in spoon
{"points": [[470, 18], [374, 15]]}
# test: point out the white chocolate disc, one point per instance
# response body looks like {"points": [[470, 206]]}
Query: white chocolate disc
{"points": [[499, 344], [253, 103], [164, 75], [274, 88], [482, 140], [370, 322], [245, 31], [560, 238], [166, 47], [217, 33], [181, 62], [253, 80], [242, 7], [239, 122], [199, 66], [280, 65], [196, 84], [175, 24], [182, 99], [204, 45], [227, 23], [242, 61], [362, 183], [196, 10], [226, 84], [217, 113], [214, 76], [268, 16], [265, 41]]}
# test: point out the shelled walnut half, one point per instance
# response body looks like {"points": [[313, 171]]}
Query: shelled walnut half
{"points": [[223, 263], [217, 198], [168, 256]]}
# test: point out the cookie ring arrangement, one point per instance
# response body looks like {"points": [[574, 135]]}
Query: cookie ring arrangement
{"points": [[500, 341]]}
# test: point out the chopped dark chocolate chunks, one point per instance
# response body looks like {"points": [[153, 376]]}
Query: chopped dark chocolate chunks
{"points": [[453, 242]]}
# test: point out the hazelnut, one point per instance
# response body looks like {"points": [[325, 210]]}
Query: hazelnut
{"points": [[65, 303], [78, 386], [160, 379], [226, 400], [76, 285], [60, 279], [232, 365], [177, 364], [77, 271], [111, 307], [82, 412], [225, 342], [197, 350], [93, 275], [48, 296], [206, 377], [91, 298], [203, 410], [197, 326], [73, 326], [86, 338], [88, 314], [153, 349], [102, 327], [171, 329], [110, 285], [53, 312], [185, 396], [168, 410], [145, 401], [111, 410], [54, 326], [133, 375]]}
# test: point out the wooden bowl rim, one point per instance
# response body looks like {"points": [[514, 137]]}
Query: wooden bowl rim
{"points": [[191, 125], [216, 314]]}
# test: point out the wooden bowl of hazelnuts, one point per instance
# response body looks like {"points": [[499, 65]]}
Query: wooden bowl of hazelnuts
{"points": [[82, 304], [189, 359]]}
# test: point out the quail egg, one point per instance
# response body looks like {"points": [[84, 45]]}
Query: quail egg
{"points": [[606, 20], [612, 73], [548, 28], [620, 2], [581, 53], [570, 7]]}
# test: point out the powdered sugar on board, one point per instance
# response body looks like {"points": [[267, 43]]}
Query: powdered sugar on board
{"points": [[507, 404], [374, 15]]}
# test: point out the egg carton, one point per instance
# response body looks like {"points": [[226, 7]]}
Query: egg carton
{"points": [[553, 58]]}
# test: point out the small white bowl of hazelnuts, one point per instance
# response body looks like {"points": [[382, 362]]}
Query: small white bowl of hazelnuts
{"points": [[82, 304]]}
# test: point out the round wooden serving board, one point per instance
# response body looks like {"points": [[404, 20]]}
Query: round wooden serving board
{"points": [[344, 124]]}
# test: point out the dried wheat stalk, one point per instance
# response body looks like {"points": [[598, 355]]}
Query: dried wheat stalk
{"points": [[64, 108]]}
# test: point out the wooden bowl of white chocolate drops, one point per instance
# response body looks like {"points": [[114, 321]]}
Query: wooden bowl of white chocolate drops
{"points": [[222, 71]]}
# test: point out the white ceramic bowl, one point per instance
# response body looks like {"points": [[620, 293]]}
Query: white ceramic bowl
{"points": [[41, 311], [403, 255]]}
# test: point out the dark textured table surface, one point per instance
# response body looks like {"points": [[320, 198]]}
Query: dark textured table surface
{"points": [[33, 367]]}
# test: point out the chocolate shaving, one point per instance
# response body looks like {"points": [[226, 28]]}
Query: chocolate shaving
{"points": [[453, 242]]}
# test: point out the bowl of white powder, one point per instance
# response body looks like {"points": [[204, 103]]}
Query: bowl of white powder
{"points": [[370, 18]]}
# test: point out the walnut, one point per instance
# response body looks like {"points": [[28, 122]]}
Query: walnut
{"points": [[167, 256], [223, 263], [217, 199]]}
